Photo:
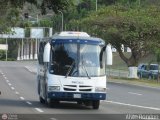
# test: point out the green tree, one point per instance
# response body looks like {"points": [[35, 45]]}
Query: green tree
{"points": [[136, 28], [10, 10]]}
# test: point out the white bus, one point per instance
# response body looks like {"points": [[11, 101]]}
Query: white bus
{"points": [[72, 67]]}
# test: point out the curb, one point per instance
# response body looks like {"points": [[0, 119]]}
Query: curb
{"points": [[134, 84], [29, 69]]}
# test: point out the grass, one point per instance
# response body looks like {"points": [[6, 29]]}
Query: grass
{"points": [[119, 64], [144, 82]]}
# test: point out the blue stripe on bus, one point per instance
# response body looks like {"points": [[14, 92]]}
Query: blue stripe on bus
{"points": [[70, 96], [80, 41]]}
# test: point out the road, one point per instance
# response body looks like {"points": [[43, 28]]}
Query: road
{"points": [[19, 97]]}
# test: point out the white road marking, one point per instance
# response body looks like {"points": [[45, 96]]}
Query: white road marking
{"points": [[5, 77], [12, 88], [9, 84], [7, 81], [28, 69], [22, 98], [134, 93], [53, 119], [139, 106], [17, 92], [29, 103], [39, 110]]}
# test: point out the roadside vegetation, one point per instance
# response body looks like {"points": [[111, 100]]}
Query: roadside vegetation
{"points": [[143, 82]]}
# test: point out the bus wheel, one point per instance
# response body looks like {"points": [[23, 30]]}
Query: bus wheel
{"points": [[95, 104], [149, 77], [48, 101], [52, 103], [41, 100]]}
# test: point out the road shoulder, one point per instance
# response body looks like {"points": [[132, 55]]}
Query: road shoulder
{"points": [[141, 83]]}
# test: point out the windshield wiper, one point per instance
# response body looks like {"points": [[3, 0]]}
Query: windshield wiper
{"points": [[69, 70], [85, 68]]}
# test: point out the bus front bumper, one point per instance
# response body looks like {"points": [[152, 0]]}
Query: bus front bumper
{"points": [[71, 96]]}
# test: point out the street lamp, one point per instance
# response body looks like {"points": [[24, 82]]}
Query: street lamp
{"points": [[62, 18]]}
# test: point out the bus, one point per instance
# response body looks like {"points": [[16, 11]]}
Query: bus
{"points": [[72, 67]]}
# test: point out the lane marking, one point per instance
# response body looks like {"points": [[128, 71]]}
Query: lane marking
{"points": [[22, 98], [9, 84], [53, 119], [12, 88], [7, 81], [17, 92], [29, 103], [39, 110], [29, 69], [5, 77], [139, 106], [134, 93]]}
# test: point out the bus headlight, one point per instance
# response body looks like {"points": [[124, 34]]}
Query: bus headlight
{"points": [[99, 89], [53, 88]]}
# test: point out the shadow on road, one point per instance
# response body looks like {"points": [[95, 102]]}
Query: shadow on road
{"points": [[62, 105]]}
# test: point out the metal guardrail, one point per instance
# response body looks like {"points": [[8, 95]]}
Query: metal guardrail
{"points": [[117, 73]]}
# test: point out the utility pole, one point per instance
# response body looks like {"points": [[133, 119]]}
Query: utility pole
{"points": [[96, 5], [62, 18], [37, 20], [139, 2], [6, 49]]}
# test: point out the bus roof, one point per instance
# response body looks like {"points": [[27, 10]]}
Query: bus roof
{"points": [[73, 33], [75, 37]]}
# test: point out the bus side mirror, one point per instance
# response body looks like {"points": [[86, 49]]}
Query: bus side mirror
{"points": [[109, 57], [108, 51], [46, 53]]}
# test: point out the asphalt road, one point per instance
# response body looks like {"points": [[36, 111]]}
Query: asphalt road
{"points": [[19, 99]]}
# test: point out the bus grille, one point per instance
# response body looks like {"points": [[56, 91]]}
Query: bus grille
{"points": [[80, 88]]}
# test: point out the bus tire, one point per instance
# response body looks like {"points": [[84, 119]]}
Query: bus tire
{"points": [[149, 77], [139, 76], [49, 102], [52, 103], [38, 87], [41, 100], [95, 104], [46, 96]]}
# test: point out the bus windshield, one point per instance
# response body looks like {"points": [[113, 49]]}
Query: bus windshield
{"points": [[76, 60]]}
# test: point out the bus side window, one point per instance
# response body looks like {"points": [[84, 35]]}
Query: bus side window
{"points": [[40, 55]]}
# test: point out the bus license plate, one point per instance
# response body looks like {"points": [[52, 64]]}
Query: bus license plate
{"points": [[76, 95]]}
